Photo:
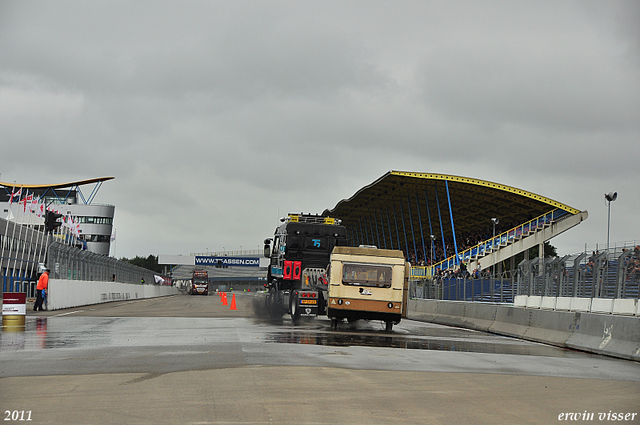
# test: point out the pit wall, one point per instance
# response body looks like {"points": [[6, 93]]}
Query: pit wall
{"points": [[76, 293], [608, 334]]}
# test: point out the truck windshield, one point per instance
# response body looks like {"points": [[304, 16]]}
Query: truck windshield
{"points": [[366, 275]]}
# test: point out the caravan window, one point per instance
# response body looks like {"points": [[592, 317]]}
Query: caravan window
{"points": [[366, 275]]}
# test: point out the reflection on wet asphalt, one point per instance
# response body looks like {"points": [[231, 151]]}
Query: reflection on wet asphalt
{"points": [[408, 335], [440, 344], [92, 332]]}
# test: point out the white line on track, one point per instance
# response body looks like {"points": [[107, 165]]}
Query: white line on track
{"points": [[65, 314]]}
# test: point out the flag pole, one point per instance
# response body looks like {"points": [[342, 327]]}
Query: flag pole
{"points": [[6, 230], [26, 227], [37, 250], [15, 260]]}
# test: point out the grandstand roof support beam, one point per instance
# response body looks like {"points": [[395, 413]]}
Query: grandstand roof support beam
{"points": [[374, 234], [453, 229], [404, 229], [384, 239], [426, 199], [390, 230], [361, 232], [395, 218], [424, 251], [413, 234], [366, 230], [353, 234], [444, 244]]}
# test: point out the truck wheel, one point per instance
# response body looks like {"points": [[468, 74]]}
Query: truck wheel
{"points": [[389, 326], [295, 309], [274, 309]]}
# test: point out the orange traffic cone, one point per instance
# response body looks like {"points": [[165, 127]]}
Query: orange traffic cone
{"points": [[224, 298], [233, 302]]}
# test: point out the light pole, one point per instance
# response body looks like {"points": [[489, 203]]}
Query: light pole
{"points": [[609, 197], [433, 238], [494, 220]]}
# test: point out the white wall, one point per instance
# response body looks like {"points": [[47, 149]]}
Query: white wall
{"points": [[75, 293]]}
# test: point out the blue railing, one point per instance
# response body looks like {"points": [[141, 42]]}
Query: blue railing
{"points": [[486, 247]]}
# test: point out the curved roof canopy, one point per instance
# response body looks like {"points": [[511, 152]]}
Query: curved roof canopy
{"points": [[58, 185], [420, 202], [49, 190]]}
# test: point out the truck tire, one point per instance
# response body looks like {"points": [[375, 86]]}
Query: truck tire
{"points": [[295, 309], [273, 304], [389, 326]]}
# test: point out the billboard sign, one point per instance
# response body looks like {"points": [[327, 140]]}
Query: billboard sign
{"points": [[228, 261]]}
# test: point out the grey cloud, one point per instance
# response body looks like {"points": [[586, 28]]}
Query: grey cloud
{"points": [[216, 117]]}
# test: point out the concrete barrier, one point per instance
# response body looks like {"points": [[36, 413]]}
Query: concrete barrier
{"points": [[480, 316], [626, 307], [548, 303], [511, 321], [423, 310], [534, 301], [520, 300], [76, 293], [581, 304], [601, 305], [617, 336], [612, 335], [563, 303], [451, 313], [551, 327]]}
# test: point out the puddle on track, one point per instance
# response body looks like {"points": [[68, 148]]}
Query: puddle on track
{"points": [[496, 345]]}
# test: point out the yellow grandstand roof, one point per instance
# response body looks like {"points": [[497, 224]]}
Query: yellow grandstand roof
{"points": [[405, 196], [57, 185]]}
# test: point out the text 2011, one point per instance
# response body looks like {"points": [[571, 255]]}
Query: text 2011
{"points": [[17, 415]]}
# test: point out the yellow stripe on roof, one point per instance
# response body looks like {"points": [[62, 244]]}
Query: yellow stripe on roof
{"points": [[489, 184], [57, 185]]}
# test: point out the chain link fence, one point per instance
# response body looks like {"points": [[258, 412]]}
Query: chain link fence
{"points": [[24, 250], [69, 263], [612, 274]]}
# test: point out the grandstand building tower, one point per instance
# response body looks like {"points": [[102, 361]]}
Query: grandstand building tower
{"points": [[94, 221]]}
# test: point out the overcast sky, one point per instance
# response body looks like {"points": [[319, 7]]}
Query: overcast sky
{"points": [[218, 117]]}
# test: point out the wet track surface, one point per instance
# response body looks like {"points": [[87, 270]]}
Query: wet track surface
{"points": [[130, 337], [193, 360]]}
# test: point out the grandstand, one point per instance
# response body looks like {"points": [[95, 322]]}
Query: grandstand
{"points": [[443, 221]]}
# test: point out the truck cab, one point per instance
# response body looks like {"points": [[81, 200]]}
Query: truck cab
{"points": [[299, 255], [199, 283]]}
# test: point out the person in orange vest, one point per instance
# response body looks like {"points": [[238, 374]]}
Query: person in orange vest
{"points": [[41, 289]]}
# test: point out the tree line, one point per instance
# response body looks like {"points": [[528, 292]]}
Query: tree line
{"points": [[150, 263]]}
